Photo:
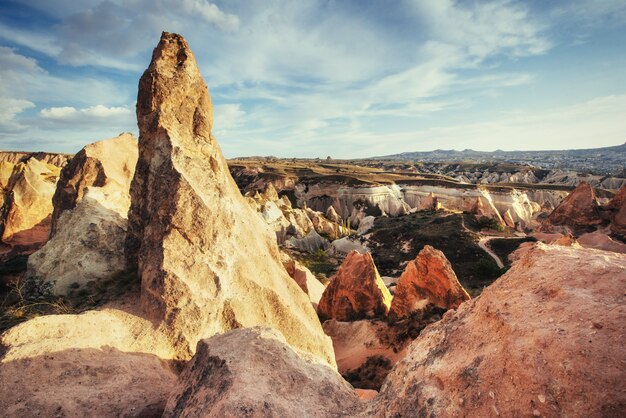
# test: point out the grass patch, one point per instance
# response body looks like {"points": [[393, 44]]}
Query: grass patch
{"points": [[27, 299], [395, 241], [504, 247]]}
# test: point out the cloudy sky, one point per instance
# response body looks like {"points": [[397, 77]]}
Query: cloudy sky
{"points": [[311, 78]]}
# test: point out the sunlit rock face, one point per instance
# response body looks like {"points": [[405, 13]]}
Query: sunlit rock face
{"points": [[547, 323], [27, 206], [106, 363], [208, 263], [255, 373], [427, 280], [51, 158], [579, 210], [108, 165], [355, 292], [90, 217]]}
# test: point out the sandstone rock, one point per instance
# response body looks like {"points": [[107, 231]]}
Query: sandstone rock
{"points": [[331, 215], [278, 213], [108, 165], [579, 210], [366, 224], [88, 246], [355, 292], [601, 241], [310, 243], [365, 350], [100, 363], [28, 204], [618, 206], [546, 336], [90, 217], [207, 262], [566, 241], [255, 373], [427, 280], [325, 226], [345, 245], [304, 278], [50, 158], [6, 169]]}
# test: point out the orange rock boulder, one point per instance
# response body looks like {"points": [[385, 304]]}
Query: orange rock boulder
{"points": [[427, 280], [546, 339], [355, 292], [579, 210]]}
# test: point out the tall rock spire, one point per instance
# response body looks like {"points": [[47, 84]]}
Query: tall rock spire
{"points": [[207, 262]]}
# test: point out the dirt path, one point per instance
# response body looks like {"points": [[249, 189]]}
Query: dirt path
{"points": [[482, 243]]}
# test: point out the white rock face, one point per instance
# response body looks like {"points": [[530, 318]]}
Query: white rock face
{"points": [[90, 217], [88, 246]]}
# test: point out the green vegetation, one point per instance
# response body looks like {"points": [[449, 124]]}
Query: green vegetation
{"points": [[318, 263], [502, 247], [31, 298], [394, 241]]}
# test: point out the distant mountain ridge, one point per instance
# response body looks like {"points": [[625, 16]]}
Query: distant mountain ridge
{"points": [[600, 160]]}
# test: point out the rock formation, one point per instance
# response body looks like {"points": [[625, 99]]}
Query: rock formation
{"points": [[355, 292], [579, 210], [100, 363], [528, 346], [207, 262], [617, 205], [25, 214], [108, 165], [255, 373], [304, 278], [427, 280], [50, 158], [90, 217]]}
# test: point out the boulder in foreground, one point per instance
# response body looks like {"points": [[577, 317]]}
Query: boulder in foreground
{"points": [[546, 339], [254, 373]]}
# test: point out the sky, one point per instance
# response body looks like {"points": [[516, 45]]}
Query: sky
{"points": [[314, 78]]}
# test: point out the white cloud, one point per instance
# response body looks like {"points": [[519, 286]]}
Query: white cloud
{"points": [[9, 108], [69, 114], [226, 117], [212, 14]]}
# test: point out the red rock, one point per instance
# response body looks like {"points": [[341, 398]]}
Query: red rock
{"points": [[355, 292], [579, 210], [527, 343], [427, 280]]}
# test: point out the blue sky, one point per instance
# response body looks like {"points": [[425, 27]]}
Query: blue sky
{"points": [[312, 78]]}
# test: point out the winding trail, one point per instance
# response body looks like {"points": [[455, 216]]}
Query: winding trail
{"points": [[482, 243]]}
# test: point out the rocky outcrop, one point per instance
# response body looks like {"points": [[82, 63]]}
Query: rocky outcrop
{"points": [[207, 262], [87, 247], [51, 158], [355, 292], [427, 280], [365, 350], [304, 278], [90, 217], [104, 363], [579, 210], [255, 373], [617, 206], [526, 347], [25, 214], [108, 165]]}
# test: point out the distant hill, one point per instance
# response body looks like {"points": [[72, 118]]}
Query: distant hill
{"points": [[607, 160]]}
